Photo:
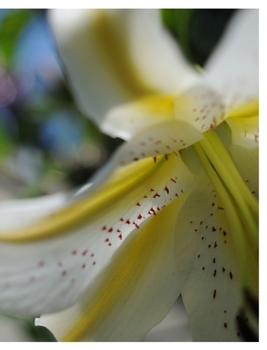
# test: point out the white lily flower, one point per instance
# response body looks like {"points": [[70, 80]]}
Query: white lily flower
{"points": [[175, 210]]}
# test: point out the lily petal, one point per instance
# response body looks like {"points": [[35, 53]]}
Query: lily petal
{"points": [[28, 211], [250, 174], [207, 264], [244, 124], [115, 56], [233, 67], [198, 106], [61, 254], [125, 301]]}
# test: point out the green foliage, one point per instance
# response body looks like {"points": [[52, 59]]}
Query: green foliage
{"points": [[10, 29], [197, 30], [178, 22]]}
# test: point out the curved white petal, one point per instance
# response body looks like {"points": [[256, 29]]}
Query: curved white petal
{"points": [[129, 119], [198, 106], [244, 124], [233, 68], [173, 328], [45, 268], [250, 174], [23, 212], [116, 56], [208, 268], [134, 292]]}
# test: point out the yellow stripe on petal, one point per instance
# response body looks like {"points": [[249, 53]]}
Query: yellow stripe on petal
{"points": [[120, 304], [80, 211], [248, 109], [127, 120], [113, 43], [244, 124]]}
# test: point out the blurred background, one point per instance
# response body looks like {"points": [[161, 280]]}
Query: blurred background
{"points": [[47, 145]]}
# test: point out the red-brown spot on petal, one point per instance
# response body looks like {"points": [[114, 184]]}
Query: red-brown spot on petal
{"points": [[214, 293], [152, 211], [74, 252], [156, 195], [213, 229], [135, 224], [85, 252], [83, 266], [166, 189], [110, 230], [138, 204], [104, 228]]}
